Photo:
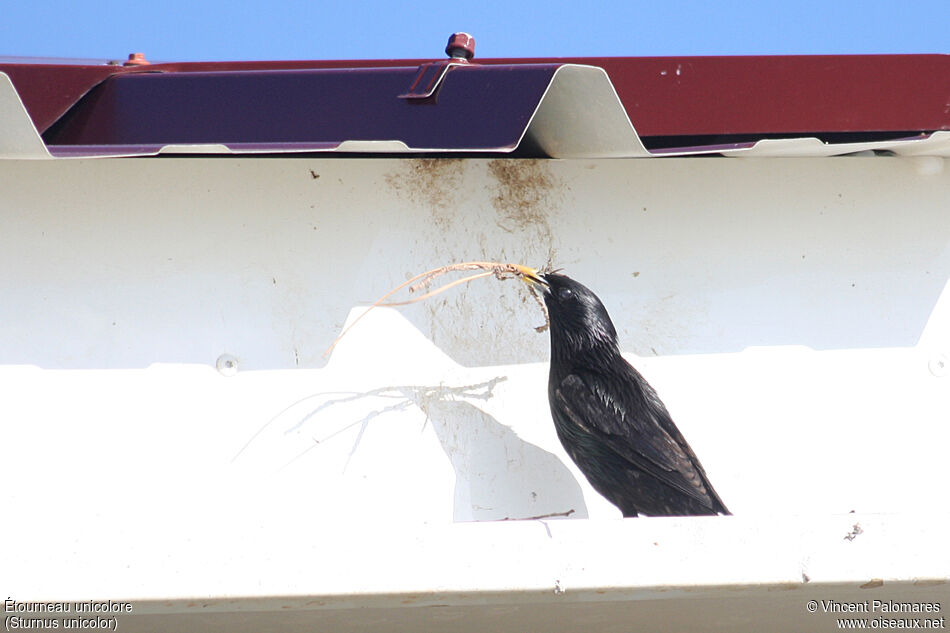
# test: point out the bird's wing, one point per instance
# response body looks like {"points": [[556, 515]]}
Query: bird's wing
{"points": [[643, 435]]}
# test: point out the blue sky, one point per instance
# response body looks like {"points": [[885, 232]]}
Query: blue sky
{"points": [[176, 30]]}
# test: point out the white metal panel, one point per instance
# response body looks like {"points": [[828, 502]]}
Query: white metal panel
{"points": [[657, 574], [935, 144], [18, 135], [792, 313]]}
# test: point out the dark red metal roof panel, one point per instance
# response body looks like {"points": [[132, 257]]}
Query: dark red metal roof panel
{"points": [[49, 90], [788, 94]]}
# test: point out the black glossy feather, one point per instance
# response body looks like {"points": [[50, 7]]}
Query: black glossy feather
{"points": [[610, 420]]}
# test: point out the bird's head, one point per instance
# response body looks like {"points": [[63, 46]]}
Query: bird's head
{"points": [[579, 321]]}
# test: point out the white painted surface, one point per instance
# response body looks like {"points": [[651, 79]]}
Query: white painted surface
{"points": [[711, 574], [18, 135], [792, 313]]}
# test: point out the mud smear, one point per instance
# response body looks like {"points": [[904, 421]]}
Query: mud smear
{"points": [[456, 210], [432, 183], [525, 195]]}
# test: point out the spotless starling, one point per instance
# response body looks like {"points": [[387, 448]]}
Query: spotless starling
{"points": [[608, 418]]}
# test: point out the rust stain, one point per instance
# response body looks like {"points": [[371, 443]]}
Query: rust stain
{"points": [[874, 583]]}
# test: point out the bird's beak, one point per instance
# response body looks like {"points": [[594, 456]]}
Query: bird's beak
{"points": [[532, 276]]}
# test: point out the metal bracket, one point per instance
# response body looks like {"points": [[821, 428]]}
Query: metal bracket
{"points": [[429, 77]]}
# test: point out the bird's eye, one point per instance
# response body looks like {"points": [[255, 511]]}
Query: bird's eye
{"points": [[565, 293]]}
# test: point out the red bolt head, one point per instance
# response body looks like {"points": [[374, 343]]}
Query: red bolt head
{"points": [[136, 59], [461, 45]]}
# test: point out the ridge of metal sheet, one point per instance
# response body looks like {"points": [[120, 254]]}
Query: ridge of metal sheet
{"points": [[18, 135], [581, 116]]}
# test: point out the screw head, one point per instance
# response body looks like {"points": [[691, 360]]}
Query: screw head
{"points": [[461, 45], [227, 365], [939, 365], [137, 59]]}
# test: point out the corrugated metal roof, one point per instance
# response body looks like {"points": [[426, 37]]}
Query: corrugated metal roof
{"points": [[620, 107]]}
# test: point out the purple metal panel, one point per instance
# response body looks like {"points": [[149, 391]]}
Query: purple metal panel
{"points": [[479, 108]]}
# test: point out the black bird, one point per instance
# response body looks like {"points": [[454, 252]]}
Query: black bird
{"points": [[609, 419]]}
